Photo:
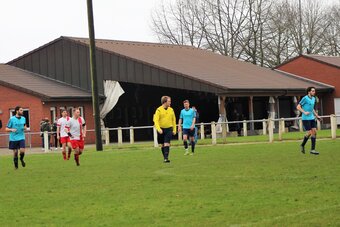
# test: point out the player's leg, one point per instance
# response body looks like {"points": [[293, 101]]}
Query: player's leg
{"points": [[69, 148], [313, 138], [76, 155], [63, 147], [308, 128], [192, 141], [185, 141], [167, 140], [15, 158], [160, 139], [22, 152]]}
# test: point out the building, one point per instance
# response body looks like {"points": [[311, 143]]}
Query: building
{"points": [[324, 69], [217, 85], [40, 97]]}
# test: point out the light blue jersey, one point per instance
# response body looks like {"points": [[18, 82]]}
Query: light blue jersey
{"points": [[187, 117], [307, 103], [19, 125]]}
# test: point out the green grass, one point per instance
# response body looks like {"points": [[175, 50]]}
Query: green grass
{"points": [[243, 185]]}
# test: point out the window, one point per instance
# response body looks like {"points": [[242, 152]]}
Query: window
{"points": [[26, 115], [81, 108], [53, 114], [70, 111]]}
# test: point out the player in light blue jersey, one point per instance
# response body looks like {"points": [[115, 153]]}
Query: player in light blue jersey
{"points": [[16, 127], [188, 118], [306, 107]]}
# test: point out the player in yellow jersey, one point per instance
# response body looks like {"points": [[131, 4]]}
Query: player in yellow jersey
{"points": [[165, 123]]}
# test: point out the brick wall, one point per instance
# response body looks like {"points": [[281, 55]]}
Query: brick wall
{"points": [[317, 71], [10, 98]]}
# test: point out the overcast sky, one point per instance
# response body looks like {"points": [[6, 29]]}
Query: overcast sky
{"points": [[28, 24]]}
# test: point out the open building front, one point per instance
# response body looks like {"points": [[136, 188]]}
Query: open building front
{"points": [[218, 86]]}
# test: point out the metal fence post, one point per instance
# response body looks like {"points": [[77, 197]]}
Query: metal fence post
{"points": [[264, 127], [107, 136], [155, 139], [213, 133], [271, 130], [202, 131], [132, 135], [120, 136], [245, 129], [333, 126], [46, 142]]}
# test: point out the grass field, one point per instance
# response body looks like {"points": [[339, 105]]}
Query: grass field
{"points": [[225, 185]]}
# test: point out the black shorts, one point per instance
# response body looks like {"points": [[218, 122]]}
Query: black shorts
{"points": [[166, 136], [189, 132], [308, 124], [16, 145]]}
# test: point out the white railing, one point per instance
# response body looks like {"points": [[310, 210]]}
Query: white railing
{"points": [[267, 129]]}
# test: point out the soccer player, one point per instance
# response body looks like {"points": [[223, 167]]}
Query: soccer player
{"points": [[62, 135], [16, 127], [77, 134], [188, 117], [165, 123], [306, 107]]}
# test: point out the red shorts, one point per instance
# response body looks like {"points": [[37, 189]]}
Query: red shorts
{"points": [[77, 144], [65, 139]]}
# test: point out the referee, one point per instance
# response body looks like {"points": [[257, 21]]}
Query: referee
{"points": [[165, 123]]}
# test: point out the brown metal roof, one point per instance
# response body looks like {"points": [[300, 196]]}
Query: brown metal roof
{"points": [[39, 85], [203, 65], [331, 60]]}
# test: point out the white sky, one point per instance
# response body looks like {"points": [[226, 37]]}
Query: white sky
{"points": [[28, 24]]}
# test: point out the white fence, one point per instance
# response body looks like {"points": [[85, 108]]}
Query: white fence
{"points": [[267, 129]]}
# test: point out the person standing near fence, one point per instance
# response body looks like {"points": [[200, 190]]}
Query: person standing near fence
{"points": [[165, 124], [306, 107], [62, 135], [188, 117], [196, 122], [77, 133], [45, 126], [16, 127]]}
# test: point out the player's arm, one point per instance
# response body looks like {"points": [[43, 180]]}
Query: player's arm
{"points": [[174, 131], [84, 128], [156, 121], [58, 131], [180, 125], [9, 127], [193, 123], [299, 108], [316, 115]]}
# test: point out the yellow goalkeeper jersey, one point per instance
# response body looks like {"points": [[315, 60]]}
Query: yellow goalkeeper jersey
{"points": [[165, 118]]}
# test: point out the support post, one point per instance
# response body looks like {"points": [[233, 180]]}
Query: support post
{"points": [[264, 127], [271, 130], [251, 112], [155, 137], [333, 126], [46, 141], [245, 128], [213, 133], [202, 131], [280, 129], [120, 136], [300, 125], [94, 83], [132, 135], [107, 136]]}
